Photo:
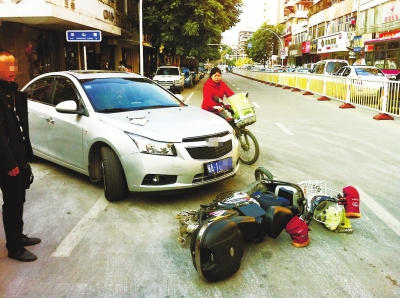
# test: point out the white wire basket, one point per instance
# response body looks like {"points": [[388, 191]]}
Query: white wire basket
{"points": [[312, 188]]}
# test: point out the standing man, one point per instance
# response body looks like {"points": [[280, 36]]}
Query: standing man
{"points": [[15, 152], [121, 66], [106, 66]]}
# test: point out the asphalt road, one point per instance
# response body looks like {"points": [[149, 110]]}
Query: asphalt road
{"points": [[93, 248]]}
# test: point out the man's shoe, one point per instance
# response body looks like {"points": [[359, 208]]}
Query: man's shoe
{"points": [[22, 255], [26, 241]]}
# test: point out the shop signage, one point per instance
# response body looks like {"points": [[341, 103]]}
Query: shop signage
{"points": [[83, 35], [295, 50], [389, 35], [357, 42], [305, 47], [389, 12], [313, 46], [333, 43]]}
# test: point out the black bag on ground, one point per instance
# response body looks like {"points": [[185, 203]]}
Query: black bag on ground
{"points": [[267, 199], [276, 220], [217, 249], [256, 231], [287, 194]]}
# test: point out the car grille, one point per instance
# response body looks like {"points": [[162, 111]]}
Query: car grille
{"points": [[165, 83], [209, 152]]}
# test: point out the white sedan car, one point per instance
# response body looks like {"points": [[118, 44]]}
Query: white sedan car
{"points": [[366, 81], [128, 131]]}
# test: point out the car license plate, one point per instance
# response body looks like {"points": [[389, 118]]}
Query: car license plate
{"points": [[219, 166]]}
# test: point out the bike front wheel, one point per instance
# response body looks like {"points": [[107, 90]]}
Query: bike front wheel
{"points": [[249, 150]]}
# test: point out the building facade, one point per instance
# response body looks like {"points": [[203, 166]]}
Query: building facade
{"points": [[340, 29], [34, 31]]}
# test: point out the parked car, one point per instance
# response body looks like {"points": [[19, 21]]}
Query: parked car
{"points": [[366, 81], [302, 69], [188, 77], [195, 75], [128, 131], [329, 66], [170, 77]]}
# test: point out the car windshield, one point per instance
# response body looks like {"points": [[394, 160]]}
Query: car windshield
{"points": [[368, 72], [165, 71], [110, 95]]}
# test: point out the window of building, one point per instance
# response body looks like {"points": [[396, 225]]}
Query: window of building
{"points": [[340, 24]]}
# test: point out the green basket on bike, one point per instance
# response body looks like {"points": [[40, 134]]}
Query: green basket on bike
{"points": [[243, 113]]}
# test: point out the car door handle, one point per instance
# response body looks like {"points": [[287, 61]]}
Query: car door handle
{"points": [[50, 120]]}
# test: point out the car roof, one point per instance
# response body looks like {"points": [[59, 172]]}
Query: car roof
{"points": [[361, 66], [168, 66], [333, 60], [97, 74]]}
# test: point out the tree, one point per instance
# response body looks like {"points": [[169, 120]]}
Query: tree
{"points": [[264, 43], [186, 27]]}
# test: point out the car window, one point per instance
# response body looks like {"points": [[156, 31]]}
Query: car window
{"points": [[368, 72], [339, 72], [40, 90], [346, 71], [333, 67], [319, 68], [64, 90], [127, 94]]}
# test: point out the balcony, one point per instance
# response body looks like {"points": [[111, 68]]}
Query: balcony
{"points": [[319, 6], [290, 4], [305, 3], [301, 14]]}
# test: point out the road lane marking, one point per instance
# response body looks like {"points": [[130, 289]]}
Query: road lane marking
{"points": [[189, 97], [385, 216], [256, 105], [284, 129], [75, 236]]}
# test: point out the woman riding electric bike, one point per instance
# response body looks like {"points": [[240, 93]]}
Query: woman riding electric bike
{"points": [[213, 92]]}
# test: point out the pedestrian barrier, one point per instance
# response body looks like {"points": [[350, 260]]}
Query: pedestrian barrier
{"points": [[370, 93]]}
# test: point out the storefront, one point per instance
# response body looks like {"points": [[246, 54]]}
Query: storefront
{"points": [[39, 42], [314, 57], [295, 55], [334, 46]]}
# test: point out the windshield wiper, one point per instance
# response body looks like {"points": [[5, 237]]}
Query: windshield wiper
{"points": [[114, 110], [154, 107]]}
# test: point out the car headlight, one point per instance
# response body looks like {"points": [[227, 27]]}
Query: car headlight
{"points": [[177, 82], [148, 146]]}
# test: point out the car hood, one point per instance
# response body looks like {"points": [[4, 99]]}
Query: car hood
{"points": [[168, 124]]}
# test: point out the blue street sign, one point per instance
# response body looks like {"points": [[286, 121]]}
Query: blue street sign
{"points": [[249, 45], [83, 35]]}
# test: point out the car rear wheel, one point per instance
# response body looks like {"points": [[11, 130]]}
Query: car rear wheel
{"points": [[115, 187]]}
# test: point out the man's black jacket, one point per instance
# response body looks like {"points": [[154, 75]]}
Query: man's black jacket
{"points": [[14, 150]]}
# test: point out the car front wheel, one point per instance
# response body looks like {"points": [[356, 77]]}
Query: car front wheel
{"points": [[115, 187]]}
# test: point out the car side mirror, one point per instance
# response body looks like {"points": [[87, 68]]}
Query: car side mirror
{"points": [[69, 107]]}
